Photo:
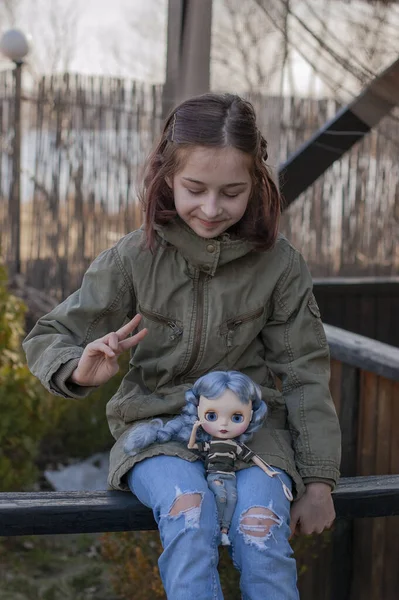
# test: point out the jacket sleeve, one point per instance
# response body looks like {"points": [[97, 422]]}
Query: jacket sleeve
{"points": [[297, 352], [102, 304]]}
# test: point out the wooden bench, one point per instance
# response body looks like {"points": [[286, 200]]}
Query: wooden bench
{"points": [[37, 513]]}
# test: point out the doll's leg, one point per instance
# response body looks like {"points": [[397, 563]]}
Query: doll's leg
{"points": [[225, 489], [184, 508], [259, 536]]}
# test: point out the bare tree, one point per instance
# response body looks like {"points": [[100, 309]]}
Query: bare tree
{"points": [[53, 25], [140, 51], [54, 35], [247, 53], [8, 12], [344, 43]]}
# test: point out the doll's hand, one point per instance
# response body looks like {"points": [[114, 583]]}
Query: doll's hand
{"points": [[314, 512], [99, 361]]}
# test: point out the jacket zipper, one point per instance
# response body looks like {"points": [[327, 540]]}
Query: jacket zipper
{"points": [[229, 327], [152, 316], [199, 320]]}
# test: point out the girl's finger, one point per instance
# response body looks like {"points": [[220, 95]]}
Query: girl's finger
{"points": [[132, 341], [113, 341], [96, 347], [127, 329]]}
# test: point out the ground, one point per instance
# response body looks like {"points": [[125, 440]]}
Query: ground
{"points": [[59, 567]]}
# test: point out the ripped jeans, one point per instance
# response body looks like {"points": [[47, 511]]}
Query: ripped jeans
{"points": [[185, 509]]}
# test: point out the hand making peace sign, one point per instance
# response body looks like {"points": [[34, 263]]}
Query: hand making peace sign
{"points": [[99, 361]]}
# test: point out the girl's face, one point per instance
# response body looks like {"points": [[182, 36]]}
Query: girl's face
{"points": [[212, 189], [226, 417]]}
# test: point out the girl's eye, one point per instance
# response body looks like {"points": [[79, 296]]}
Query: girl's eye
{"points": [[237, 418], [195, 192], [230, 195], [211, 416]]}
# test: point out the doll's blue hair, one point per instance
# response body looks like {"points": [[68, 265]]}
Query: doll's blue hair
{"points": [[212, 387]]}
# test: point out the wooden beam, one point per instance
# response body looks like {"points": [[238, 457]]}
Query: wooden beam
{"points": [[362, 352], [38, 513], [338, 135], [188, 51]]}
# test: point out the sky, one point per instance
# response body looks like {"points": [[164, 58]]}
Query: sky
{"points": [[104, 37]]}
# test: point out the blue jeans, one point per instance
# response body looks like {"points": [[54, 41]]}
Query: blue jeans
{"points": [[185, 509], [224, 486]]}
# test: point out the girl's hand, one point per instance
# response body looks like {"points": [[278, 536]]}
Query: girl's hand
{"points": [[99, 361], [314, 512]]}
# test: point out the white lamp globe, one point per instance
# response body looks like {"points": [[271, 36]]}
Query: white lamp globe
{"points": [[14, 44]]}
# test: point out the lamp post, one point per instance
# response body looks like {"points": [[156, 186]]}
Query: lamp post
{"points": [[15, 46]]}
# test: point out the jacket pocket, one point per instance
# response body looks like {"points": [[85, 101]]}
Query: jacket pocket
{"points": [[235, 330], [163, 335]]}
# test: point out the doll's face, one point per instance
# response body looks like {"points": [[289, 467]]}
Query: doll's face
{"points": [[226, 417]]}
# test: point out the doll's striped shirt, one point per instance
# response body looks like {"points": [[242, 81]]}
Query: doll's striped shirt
{"points": [[221, 455]]}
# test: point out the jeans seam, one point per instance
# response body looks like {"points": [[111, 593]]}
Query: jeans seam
{"points": [[215, 560]]}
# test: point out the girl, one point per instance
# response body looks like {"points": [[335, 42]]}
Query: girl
{"points": [[226, 405], [215, 288]]}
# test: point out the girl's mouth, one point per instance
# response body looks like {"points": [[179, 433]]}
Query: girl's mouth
{"points": [[209, 224]]}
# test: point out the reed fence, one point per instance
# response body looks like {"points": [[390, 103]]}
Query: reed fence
{"points": [[84, 142]]}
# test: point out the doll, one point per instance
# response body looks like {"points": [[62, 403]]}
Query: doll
{"points": [[223, 409]]}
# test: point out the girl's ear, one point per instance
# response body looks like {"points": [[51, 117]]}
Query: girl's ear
{"points": [[169, 182]]}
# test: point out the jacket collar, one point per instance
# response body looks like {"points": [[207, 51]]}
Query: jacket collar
{"points": [[203, 254]]}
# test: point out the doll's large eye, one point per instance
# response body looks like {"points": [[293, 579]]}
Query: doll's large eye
{"points": [[211, 416], [237, 418]]}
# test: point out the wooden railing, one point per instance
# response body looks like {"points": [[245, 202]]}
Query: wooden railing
{"points": [[360, 558], [39, 513]]}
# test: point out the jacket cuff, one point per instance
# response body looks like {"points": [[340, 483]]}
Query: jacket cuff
{"points": [[329, 482], [59, 382], [328, 474]]}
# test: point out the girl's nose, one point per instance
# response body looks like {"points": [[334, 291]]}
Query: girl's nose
{"points": [[211, 208]]}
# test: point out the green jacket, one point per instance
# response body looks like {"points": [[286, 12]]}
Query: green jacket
{"points": [[209, 304]]}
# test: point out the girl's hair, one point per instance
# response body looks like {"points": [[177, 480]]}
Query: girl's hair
{"points": [[212, 120], [210, 386]]}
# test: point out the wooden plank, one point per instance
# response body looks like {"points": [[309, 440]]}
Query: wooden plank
{"points": [[362, 541], [342, 535], [360, 285], [373, 496], [387, 321], [363, 352], [72, 512], [382, 458], [391, 549], [36, 513], [349, 418]]}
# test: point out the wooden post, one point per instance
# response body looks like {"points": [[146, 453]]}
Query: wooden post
{"points": [[188, 52], [15, 196], [337, 136]]}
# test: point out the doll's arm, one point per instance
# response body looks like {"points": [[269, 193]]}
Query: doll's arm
{"points": [[255, 459], [191, 442]]}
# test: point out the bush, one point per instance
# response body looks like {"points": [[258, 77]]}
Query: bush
{"points": [[83, 429], [27, 410]]}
